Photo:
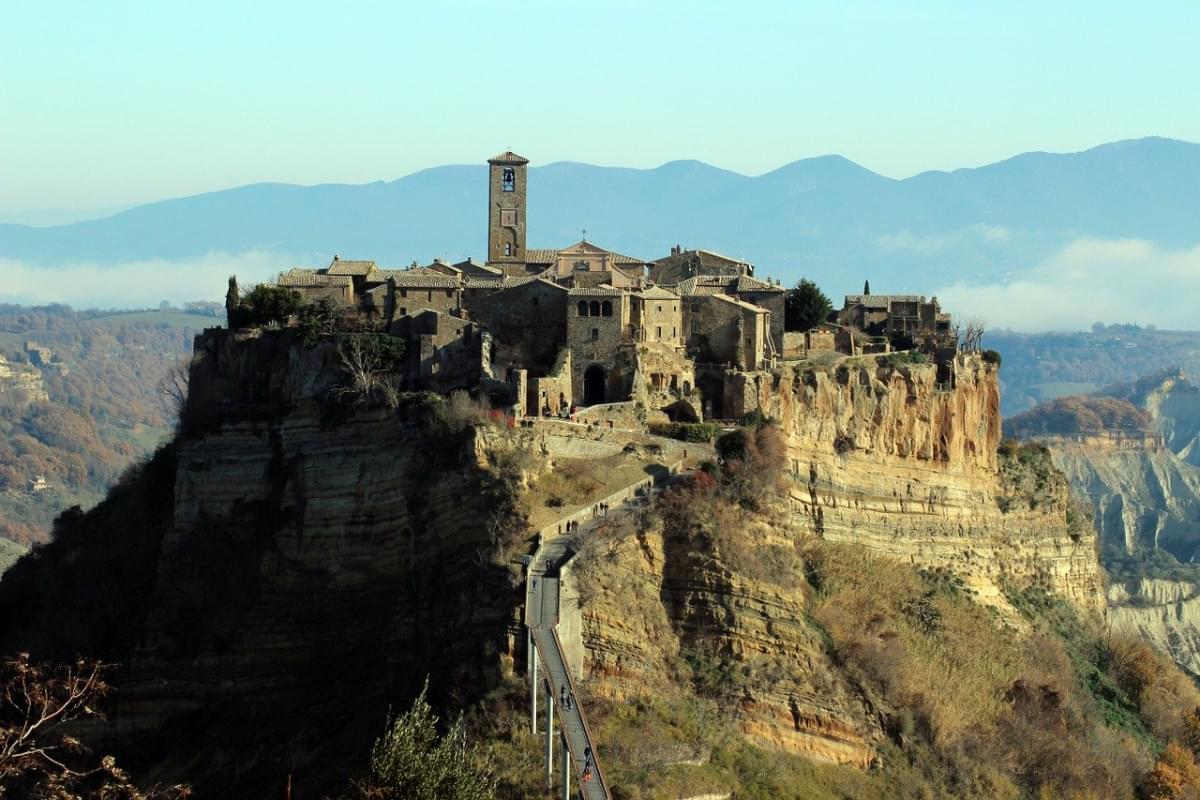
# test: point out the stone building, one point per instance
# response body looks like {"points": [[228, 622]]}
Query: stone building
{"points": [[657, 316], [557, 329], [904, 318], [315, 285], [683, 264], [769, 296], [722, 329], [598, 325]]}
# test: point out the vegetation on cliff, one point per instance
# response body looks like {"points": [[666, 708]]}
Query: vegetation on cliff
{"points": [[1068, 416]]}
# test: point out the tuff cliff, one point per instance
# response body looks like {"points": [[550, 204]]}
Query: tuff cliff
{"points": [[295, 562], [878, 456], [311, 563], [886, 457]]}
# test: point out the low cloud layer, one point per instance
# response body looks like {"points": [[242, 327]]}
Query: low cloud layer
{"points": [[1090, 280], [135, 284]]}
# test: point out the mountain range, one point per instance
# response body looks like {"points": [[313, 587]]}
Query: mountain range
{"points": [[827, 217]]}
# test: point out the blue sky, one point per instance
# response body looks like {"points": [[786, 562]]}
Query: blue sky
{"points": [[106, 104]]}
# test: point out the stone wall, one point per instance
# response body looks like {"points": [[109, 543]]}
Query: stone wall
{"points": [[553, 391]]}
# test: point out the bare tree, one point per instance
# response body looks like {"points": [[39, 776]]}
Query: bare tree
{"points": [[972, 335], [173, 389], [37, 757], [368, 361]]}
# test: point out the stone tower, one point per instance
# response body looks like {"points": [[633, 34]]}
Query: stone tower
{"points": [[506, 209]]}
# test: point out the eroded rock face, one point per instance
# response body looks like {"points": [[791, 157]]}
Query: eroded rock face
{"points": [[320, 565], [880, 458], [653, 606], [883, 458], [1163, 612]]}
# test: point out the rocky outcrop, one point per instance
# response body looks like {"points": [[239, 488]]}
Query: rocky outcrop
{"points": [[651, 608], [879, 457], [1165, 613], [885, 458], [320, 561]]}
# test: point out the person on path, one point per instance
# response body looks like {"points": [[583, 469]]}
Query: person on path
{"points": [[562, 696]]}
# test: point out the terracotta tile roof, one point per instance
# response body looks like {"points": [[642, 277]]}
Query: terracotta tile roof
{"points": [[468, 266], [545, 255], [726, 298], [508, 157], [596, 291], [300, 277], [881, 300], [747, 284], [541, 255], [418, 278], [657, 293], [705, 284], [481, 282], [341, 266]]}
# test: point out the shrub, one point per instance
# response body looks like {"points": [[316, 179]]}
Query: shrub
{"points": [[686, 431], [316, 320], [991, 357], [903, 358], [411, 762]]}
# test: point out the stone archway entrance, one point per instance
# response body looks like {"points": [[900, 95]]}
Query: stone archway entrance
{"points": [[593, 385]]}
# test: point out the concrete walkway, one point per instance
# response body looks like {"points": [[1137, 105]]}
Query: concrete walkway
{"points": [[542, 603]]}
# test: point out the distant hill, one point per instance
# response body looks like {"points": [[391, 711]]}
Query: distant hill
{"points": [[826, 217]]}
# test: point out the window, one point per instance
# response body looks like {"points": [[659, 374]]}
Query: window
{"points": [[508, 217], [659, 308], [595, 334], [594, 308], [508, 179], [695, 327], [403, 311], [658, 331], [534, 302], [583, 308], [674, 333], [404, 292], [508, 248], [449, 293], [606, 309], [583, 266]]}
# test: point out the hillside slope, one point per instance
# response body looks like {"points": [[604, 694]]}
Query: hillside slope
{"points": [[293, 564]]}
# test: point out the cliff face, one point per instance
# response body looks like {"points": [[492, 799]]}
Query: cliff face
{"points": [[1165, 613], [317, 565], [885, 459], [880, 458]]}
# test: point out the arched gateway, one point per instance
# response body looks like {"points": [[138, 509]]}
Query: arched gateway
{"points": [[593, 385]]}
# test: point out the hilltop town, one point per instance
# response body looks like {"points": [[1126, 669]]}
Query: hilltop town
{"points": [[595, 335]]}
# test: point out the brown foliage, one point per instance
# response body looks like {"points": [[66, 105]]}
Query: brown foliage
{"points": [[38, 759], [1174, 777], [1079, 415]]}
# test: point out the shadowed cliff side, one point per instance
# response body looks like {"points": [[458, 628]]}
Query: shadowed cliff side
{"points": [[283, 572]]}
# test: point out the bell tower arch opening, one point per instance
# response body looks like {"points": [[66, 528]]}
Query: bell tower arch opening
{"points": [[506, 209]]}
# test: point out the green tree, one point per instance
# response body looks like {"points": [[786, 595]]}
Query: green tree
{"points": [[805, 306], [413, 762], [268, 304]]}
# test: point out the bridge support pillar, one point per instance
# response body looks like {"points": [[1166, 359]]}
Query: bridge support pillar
{"points": [[549, 736], [533, 689], [566, 769]]}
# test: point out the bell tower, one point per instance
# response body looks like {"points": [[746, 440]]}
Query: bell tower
{"points": [[506, 209]]}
